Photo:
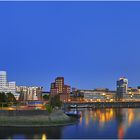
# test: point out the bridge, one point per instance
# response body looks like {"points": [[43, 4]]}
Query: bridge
{"points": [[102, 104]]}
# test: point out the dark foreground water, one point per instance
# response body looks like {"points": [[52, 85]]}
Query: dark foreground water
{"points": [[94, 123]]}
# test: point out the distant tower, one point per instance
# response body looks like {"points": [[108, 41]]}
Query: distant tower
{"points": [[3, 80], [122, 86]]}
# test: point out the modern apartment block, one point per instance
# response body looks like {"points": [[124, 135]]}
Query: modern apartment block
{"points": [[29, 93], [122, 87], [58, 87], [6, 86]]}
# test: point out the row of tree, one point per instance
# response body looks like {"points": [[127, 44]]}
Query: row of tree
{"points": [[7, 99]]}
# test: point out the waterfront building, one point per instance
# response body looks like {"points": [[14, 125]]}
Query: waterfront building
{"points": [[29, 93], [6, 86], [59, 83], [131, 90], [94, 96], [131, 97], [59, 88], [122, 87], [97, 96], [65, 96]]}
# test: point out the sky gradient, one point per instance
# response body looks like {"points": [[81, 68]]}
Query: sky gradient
{"points": [[91, 44]]}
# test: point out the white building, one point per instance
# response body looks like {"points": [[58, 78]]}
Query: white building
{"points": [[99, 95], [12, 86], [3, 80], [6, 86], [29, 93]]}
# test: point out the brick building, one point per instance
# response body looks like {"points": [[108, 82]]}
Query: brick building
{"points": [[58, 87]]}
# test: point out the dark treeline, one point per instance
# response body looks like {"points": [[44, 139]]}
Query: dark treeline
{"points": [[7, 99]]}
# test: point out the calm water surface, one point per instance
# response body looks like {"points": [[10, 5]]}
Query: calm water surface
{"points": [[94, 123]]}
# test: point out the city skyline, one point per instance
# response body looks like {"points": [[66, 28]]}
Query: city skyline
{"points": [[4, 81], [91, 44]]}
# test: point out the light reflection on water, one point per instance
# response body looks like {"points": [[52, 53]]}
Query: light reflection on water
{"points": [[124, 118], [94, 123]]}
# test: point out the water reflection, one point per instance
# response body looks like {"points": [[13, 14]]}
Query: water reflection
{"points": [[94, 123], [44, 137], [31, 133], [124, 118]]}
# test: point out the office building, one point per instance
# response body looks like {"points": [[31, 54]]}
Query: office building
{"points": [[6, 86], [122, 87]]}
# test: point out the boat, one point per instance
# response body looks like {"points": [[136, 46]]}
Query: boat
{"points": [[76, 114]]}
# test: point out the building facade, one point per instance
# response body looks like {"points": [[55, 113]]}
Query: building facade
{"points": [[59, 88], [6, 86], [99, 95], [122, 87], [59, 83], [12, 86], [29, 93], [3, 80]]}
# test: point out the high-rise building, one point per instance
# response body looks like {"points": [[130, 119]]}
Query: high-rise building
{"points": [[59, 83], [54, 90], [6, 86], [58, 88], [122, 86], [3, 80]]}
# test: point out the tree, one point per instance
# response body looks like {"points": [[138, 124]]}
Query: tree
{"points": [[55, 101], [3, 100], [46, 97], [3, 97], [10, 98], [49, 109]]}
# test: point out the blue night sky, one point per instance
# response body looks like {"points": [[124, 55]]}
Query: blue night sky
{"points": [[91, 44]]}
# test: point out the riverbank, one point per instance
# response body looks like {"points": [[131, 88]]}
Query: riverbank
{"points": [[56, 118]]}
